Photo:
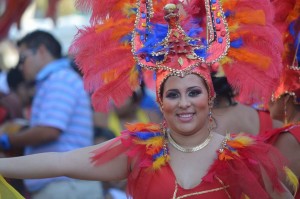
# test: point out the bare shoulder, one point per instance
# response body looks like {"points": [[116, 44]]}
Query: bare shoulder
{"points": [[246, 109], [235, 119], [290, 148], [218, 139], [287, 141]]}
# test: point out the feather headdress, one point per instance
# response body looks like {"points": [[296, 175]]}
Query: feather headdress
{"points": [[175, 37], [287, 20]]}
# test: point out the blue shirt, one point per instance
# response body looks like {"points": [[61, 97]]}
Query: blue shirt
{"points": [[60, 102]]}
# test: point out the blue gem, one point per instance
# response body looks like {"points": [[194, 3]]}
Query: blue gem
{"points": [[214, 1], [147, 59], [218, 20], [143, 15], [220, 40]]}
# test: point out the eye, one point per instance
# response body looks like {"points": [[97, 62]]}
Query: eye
{"points": [[194, 92], [172, 95]]}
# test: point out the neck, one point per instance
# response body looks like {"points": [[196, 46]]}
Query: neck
{"points": [[190, 140], [293, 119], [293, 114], [192, 149]]}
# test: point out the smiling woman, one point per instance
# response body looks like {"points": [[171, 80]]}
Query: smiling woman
{"points": [[185, 104], [181, 157]]}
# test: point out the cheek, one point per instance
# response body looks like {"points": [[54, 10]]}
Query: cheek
{"points": [[271, 107], [201, 103], [169, 106], [276, 110]]}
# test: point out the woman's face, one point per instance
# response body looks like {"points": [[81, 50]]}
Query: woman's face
{"points": [[185, 103]]}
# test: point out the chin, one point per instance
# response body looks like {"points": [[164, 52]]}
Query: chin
{"points": [[187, 130]]}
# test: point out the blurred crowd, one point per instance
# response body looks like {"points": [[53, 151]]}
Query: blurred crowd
{"points": [[44, 107]]}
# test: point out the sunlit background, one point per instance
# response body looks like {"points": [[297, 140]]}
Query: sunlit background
{"points": [[18, 17]]}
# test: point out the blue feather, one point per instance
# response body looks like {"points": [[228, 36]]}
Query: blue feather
{"points": [[126, 38], [146, 135], [194, 32], [236, 43], [159, 154], [228, 13], [291, 29], [201, 52]]}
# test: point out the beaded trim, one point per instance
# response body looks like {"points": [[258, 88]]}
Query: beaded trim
{"points": [[215, 17], [198, 193], [293, 94]]}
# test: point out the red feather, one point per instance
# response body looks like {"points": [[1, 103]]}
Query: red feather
{"points": [[256, 70]]}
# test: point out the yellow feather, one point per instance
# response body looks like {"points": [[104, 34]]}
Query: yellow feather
{"points": [[155, 141], [233, 27], [226, 60], [220, 72], [291, 179], [244, 140], [161, 161], [128, 9]]}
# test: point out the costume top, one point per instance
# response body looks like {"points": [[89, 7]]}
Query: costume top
{"points": [[272, 135], [235, 173]]}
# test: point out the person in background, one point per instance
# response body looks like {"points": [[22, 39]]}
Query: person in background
{"points": [[61, 117], [10, 104], [22, 89], [232, 116], [21, 93], [285, 102]]}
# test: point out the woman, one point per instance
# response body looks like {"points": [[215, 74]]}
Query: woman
{"points": [[287, 138], [232, 116], [183, 157], [285, 107], [185, 102], [285, 102]]}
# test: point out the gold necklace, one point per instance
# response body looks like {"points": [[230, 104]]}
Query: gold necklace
{"points": [[190, 149]]}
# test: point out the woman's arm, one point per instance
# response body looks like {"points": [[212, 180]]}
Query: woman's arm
{"points": [[74, 164], [286, 194]]}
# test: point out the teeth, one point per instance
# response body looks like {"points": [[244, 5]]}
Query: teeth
{"points": [[185, 115]]}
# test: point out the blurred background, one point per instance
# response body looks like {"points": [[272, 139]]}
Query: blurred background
{"points": [[18, 17]]}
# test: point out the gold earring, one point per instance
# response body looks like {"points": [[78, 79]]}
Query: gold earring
{"points": [[164, 126], [210, 121]]}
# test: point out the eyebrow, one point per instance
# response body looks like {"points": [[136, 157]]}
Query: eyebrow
{"points": [[189, 88]]}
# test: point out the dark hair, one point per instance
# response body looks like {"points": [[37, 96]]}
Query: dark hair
{"points": [[37, 38], [223, 89], [138, 95], [103, 132], [14, 78]]}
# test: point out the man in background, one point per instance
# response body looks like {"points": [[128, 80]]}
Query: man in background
{"points": [[61, 116]]}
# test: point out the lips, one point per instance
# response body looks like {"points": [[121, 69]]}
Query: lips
{"points": [[185, 117]]}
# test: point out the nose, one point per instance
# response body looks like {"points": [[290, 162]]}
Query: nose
{"points": [[184, 102]]}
